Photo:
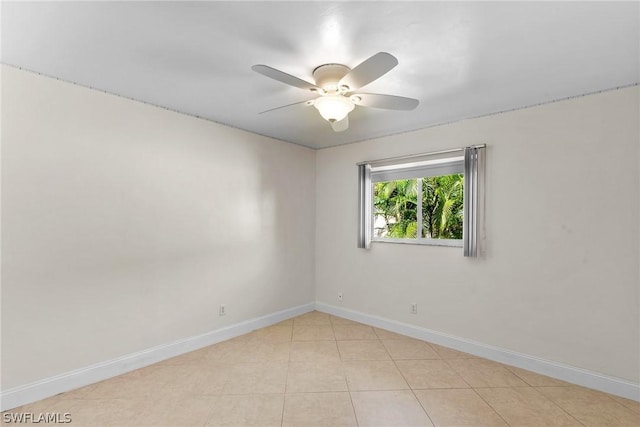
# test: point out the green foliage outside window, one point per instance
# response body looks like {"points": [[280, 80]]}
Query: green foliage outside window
{"points": [[395, 206]]}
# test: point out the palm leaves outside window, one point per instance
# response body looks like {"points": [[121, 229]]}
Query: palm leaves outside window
{"points": [[395, 205]]}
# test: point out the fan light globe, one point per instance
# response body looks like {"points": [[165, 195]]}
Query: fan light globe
{"points": [[334, 108]]}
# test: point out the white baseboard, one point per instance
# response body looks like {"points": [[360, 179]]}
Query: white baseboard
{"points": [[48, 387], [571, 374], [22, 395]]}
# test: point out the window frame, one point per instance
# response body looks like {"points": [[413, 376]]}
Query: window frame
{"points": [[414, 170], [474, 184]]}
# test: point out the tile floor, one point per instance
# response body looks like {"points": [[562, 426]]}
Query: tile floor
{"points": [[321, 370]]}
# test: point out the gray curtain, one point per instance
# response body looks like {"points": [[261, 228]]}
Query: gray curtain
{"points": [[473, 196], [364, 209]]}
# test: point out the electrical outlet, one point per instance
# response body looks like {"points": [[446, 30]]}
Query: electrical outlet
{"points": [[340, 296], [414, 308], [223, 310]]}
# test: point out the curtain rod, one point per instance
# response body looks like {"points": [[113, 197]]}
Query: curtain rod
{"points": [[411, 156]]}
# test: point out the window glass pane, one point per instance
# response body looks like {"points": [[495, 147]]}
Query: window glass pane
{"points": [[443, 206], [395, 205]]}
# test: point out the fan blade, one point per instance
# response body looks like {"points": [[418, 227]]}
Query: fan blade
{"points": [[283, 77], [387, 102], [342, 125], [309, 102], [369, 70]]}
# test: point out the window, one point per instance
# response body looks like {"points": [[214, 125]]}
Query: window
{"points": [[425, 199]]}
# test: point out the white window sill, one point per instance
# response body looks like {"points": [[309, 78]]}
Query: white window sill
{"points": [[454, 243]]}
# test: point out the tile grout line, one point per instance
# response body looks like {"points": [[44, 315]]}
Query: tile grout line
{"points": [[353, 407], [355, 414], [478, 394], [552, 402], [409, 385], [489, 405], [561, 407], [558, 405], [446, 362], [286, 380]]}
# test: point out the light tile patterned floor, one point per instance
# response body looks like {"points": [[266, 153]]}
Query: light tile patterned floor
{"points": [[321, 370]]}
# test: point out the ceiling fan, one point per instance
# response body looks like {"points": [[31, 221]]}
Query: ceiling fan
{"points": [[336, 85]]}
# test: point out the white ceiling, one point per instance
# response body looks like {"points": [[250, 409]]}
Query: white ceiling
{"points": [[460, 60]]}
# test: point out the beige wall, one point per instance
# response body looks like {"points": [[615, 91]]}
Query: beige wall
{"points": [[125, 226], [559, 279]]}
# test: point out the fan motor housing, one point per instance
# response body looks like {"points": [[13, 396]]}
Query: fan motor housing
{"points": [[327, 76]]}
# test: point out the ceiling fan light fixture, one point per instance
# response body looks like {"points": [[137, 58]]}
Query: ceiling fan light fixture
{"points": [[336, 84], [334, 108]]}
